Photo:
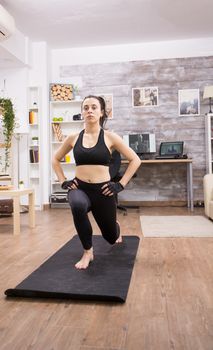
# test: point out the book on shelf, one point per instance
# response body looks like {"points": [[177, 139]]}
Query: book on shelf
{"points": [[33, 117], [34, 156]]}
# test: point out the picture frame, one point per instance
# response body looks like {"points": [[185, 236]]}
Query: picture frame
{"points": [[108, 98], [146, 96], [189, 102]]}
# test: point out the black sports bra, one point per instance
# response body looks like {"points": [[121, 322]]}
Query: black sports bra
{"points": [[97, 155]]}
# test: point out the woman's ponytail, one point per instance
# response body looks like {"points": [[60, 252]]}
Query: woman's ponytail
{"points": [[104, 117]]}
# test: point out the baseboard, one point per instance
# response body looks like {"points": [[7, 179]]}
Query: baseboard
{"points": [[140, 204], [153, 203]]}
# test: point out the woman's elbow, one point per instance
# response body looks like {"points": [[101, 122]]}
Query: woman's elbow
{"points": [[137, 161], [55, 161]]}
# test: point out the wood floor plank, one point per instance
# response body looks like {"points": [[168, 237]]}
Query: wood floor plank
{"points": [[169, 304], [108, 327]]}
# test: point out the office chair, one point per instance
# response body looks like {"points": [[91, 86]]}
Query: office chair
{"points": [[114, 170]]}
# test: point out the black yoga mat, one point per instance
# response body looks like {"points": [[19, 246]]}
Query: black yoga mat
{"points": [[106, 279]]}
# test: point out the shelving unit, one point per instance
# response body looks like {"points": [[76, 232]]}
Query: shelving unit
{"points": [[34, 154], [59, 129], [209, 142]]}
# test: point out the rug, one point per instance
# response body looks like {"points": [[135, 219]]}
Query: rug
{"points": [[106, 279], [176, 226]]}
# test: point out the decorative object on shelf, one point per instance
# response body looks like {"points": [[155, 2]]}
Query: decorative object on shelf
{"points": [[8, 121], [60, 119], [145, 96], [208, 93], [21, 185], [35, 140], [34, 156], [67, 158], [57, 132], [76, 92], [77, 116], [33, 117], [61, 92], [189, 102]]}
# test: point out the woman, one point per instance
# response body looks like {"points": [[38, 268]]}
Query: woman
{"points": [[91, 189]]}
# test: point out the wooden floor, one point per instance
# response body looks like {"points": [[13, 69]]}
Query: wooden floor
{"points": [[169, 304]]}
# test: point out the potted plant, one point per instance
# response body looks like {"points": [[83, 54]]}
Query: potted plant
{"points": [[8, 124], [21, 185], [35, 140]]}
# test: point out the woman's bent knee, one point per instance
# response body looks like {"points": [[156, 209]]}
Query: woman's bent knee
{"points": [[79, 202]]}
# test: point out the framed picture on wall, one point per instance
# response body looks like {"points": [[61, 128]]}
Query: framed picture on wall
{"points": [[188, 102], [145, 96], [108, 98]]}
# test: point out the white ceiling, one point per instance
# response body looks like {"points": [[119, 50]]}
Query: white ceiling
{"points": [[75, 23]]}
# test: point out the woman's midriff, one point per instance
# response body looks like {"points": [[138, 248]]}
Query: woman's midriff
{"points": [[92, 173]]}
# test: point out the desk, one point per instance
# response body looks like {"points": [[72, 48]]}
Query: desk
{"points": [[188, 162], [15, 195]]}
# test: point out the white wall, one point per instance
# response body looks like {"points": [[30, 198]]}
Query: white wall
{"points": [[131, 52], [18, 46], [16, 82], [39, 76], [16, 89]]}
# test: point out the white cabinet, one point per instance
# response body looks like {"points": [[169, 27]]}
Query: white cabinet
{"points": [[61, 125], [209, 142], [34, 154]]}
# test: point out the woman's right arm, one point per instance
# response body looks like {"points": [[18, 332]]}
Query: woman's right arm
{"points": [[59, 155]]}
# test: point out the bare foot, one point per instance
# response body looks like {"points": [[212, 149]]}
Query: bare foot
{"points": [[85, 260], [119, 239]]}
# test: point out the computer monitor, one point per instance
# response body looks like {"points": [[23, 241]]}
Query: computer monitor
{"points": [[171, 148], [141, 143]]}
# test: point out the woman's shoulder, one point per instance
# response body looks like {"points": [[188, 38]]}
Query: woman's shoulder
{"points": [[112, 135], [73, 137]]}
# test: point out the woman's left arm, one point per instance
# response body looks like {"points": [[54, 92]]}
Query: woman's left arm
{"points": [[134, 161]]}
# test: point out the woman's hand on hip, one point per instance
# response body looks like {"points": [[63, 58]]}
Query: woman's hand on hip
{"points": [[70, 184], [112, 188]]}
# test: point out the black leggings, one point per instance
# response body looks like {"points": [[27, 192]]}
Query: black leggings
{"points": [[89, 197]]}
